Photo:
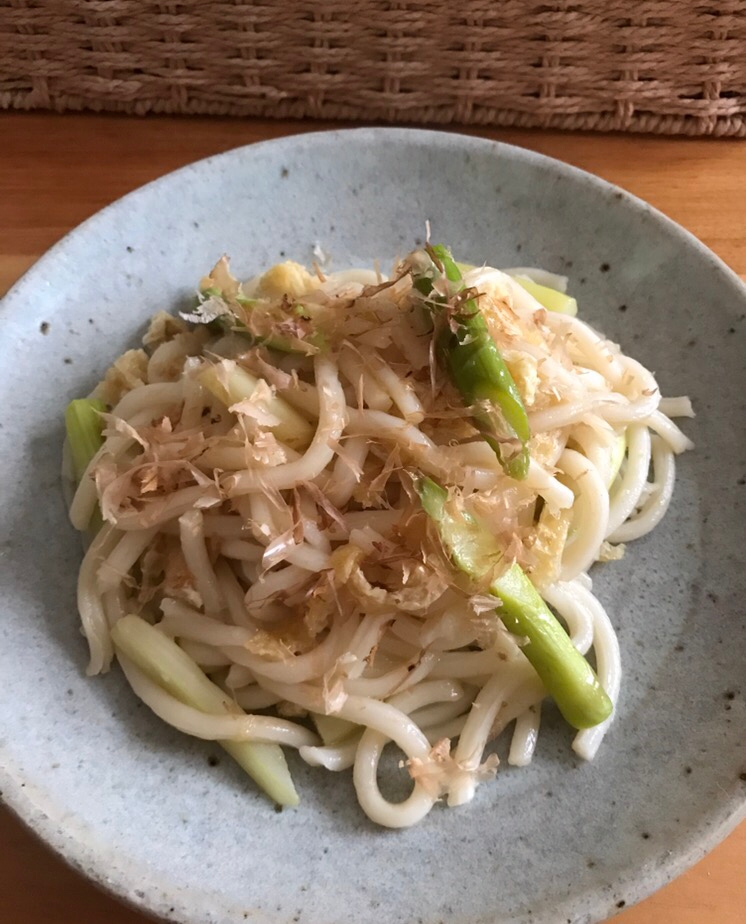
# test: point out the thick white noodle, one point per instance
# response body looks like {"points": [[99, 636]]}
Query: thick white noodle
{"points": [[307, 557], [265, 517], [477, 728], [591, 514], [365, 639], [153, 399], [195, 398], [90, 605], [116, 604], [384, 426], [557, 495], [321, 451], [591, 348], [571, 412], [664, 427], [388, 721], [612, 407], [525, 737], [396, 681], [254, 697], [169, 508], [115, 568], [460, 665], [224, 525], [626, 493], [365, 387], [380, 520], [242, 550], [198, 561], [307, 696], [657, 503], [578, 618], [414, 348], [239, 676], [312, 533], [271, 583], [235, 458], [302, 396], [428, 717], [347, 469], [452, 629], [300, 668], [233, 594], [597, 443], [399, 390], [528, 692], [337, 758], [450, 728], [207, 657], [608, 668], [426, 693], [376, 807], [180, 621]]}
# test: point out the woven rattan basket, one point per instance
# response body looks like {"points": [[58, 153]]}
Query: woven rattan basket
{"points": [[675, 66]]}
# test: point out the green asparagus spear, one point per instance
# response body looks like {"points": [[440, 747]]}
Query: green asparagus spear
{"points": [[170, 667], [83, 425], [473, 362], [567, 676]]}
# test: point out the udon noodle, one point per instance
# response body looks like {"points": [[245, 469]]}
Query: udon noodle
{"points": [[252, 502]]}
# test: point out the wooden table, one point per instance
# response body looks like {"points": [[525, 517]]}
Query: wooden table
{"points": [[57, 170]]}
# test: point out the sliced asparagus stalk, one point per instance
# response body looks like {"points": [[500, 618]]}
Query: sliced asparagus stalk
{"points": [[568, 677], [473, 362], [83, 425], [171, 667]]}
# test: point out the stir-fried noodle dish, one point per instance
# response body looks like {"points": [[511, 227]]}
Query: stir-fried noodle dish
{"points": [[334, 511]]}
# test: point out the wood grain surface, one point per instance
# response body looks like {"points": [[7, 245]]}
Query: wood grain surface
{"points": [[57, 170]]}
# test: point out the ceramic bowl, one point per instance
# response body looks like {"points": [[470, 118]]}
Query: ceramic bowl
{"points": [[141, 809]]}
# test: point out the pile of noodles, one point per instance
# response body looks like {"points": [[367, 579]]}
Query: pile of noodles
{"points": [[281, 544]]}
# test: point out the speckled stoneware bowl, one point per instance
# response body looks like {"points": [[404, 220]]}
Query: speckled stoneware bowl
{"points": [[142, 810]]}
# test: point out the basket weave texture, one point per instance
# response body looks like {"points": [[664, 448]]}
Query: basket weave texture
{"points": [[673, 66]]}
